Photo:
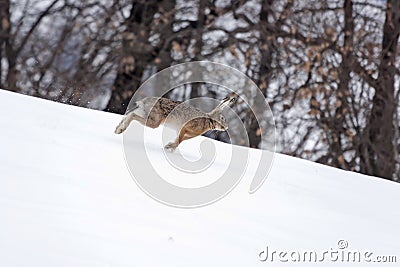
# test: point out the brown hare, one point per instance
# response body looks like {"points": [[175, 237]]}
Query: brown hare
{"points": [[184, 118]]}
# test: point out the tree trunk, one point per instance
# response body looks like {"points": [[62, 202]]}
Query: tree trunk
{"points": [[136, 53], [380, 128], [4, 31], [265, 68], [6, 47], [198, 47], [338, 125]]}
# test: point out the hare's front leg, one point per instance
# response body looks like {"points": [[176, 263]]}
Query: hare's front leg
{"points": [[183, 135], [173, 145]]}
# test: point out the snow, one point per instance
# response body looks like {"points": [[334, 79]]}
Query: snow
{"points": [[67, 199]]}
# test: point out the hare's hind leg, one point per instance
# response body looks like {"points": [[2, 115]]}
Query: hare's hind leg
{"points": [[127, 120]]}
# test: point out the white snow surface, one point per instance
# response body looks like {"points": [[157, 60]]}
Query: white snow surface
{"points": [[67, 199]]}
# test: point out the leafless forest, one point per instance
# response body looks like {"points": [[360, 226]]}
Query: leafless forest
{"points": [[328, 68]]}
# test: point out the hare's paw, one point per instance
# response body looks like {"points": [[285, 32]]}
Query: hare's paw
{"points": [[171, 146]]}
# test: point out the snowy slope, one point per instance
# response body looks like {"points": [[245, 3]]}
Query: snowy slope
{"points": [[67, 199]]}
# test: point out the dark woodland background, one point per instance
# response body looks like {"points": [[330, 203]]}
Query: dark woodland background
{"points": [[328, 68]]}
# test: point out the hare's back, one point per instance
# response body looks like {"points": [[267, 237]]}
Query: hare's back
{"points": [[158, 105], [176, 113]]}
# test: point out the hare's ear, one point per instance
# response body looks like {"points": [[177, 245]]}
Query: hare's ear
{"points": [[224, 103]]}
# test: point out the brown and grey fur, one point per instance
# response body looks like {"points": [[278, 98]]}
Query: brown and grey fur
{"points": [[188, 120]]}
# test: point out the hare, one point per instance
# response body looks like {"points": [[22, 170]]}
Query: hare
{"points": [[187, 120]]}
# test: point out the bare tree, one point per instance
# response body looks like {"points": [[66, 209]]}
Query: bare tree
{"points": [[13, 42], [349, 86], [378, 147], [138, 52], [60, 51]]}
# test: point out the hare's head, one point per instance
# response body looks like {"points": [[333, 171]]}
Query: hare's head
{"points": [[219, 120]]}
